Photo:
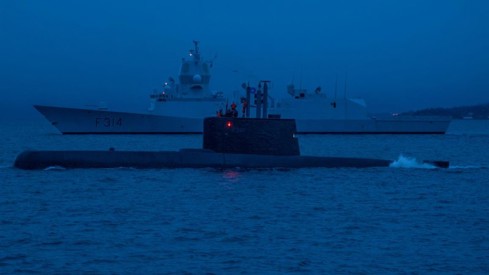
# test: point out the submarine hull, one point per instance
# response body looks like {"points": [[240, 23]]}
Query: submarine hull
{"points": [[227, 143], [187, 158]]}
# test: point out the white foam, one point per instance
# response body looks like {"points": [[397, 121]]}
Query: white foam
{"points": [[408, 162], [54, 168]]}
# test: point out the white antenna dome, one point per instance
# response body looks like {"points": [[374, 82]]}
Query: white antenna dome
{"points": [[197, 78]]}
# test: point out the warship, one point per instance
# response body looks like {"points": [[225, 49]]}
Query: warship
{"points": [[182, 104]]}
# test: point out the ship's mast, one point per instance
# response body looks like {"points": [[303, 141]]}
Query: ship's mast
{"points": [[194, 75], [346, 103], [196, 52]]}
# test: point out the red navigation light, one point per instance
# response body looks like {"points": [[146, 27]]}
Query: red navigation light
{"points": [[229, 124]]}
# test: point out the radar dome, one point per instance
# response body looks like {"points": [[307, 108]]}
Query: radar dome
{"points": [[197, 78]]}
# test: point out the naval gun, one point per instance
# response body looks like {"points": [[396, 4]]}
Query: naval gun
{"points": [[228, 142]]}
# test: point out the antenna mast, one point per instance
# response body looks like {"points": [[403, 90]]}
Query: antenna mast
{"points": [[336, 88], [196, 52], [346, 103]]}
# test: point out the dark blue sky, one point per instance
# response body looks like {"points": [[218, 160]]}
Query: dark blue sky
{"points": [[399, 55]]}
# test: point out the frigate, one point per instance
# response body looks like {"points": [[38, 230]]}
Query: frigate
{"points": [[182, 104]]}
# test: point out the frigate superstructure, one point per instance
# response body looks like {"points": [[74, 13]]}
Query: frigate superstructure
{"points": [[317, 113], [179, 108]]}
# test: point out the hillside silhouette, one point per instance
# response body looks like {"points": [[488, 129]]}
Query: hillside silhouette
{"points": [[475, 111]]}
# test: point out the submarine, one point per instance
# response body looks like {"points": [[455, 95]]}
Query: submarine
{"points": [[229, 141]]}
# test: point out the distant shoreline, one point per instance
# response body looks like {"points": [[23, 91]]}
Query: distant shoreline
{"points": [[475, 112]]}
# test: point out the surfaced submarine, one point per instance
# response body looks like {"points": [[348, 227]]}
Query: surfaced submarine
{"points": [[228, 142]]}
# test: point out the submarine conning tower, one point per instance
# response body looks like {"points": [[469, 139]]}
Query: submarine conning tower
{"points": [[258, 136], [251, 136]]}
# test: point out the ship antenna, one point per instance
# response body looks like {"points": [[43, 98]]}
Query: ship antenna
{"points": [[333, 104], [196, 51], [196, 45], [300, 81], [346, 103], [336, 87]]}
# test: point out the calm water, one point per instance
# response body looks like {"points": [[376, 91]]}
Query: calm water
{"points": [[376, 220]]}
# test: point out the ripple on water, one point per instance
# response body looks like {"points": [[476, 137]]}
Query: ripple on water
{"points": [[323, 221]]}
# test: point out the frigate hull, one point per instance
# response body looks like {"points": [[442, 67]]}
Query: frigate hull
{"points": [[87, 121]]}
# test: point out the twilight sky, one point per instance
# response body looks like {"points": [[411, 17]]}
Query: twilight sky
{"points": [[399, 55]]}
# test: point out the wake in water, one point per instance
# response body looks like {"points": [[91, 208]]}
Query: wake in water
{"points": [[55, 168], [407, 162], [469, 167]]}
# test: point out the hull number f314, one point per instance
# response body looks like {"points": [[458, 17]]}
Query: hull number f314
{"points": [[108, 122]]}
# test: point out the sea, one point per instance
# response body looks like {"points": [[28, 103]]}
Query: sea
{"points": [[406, 218]]}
